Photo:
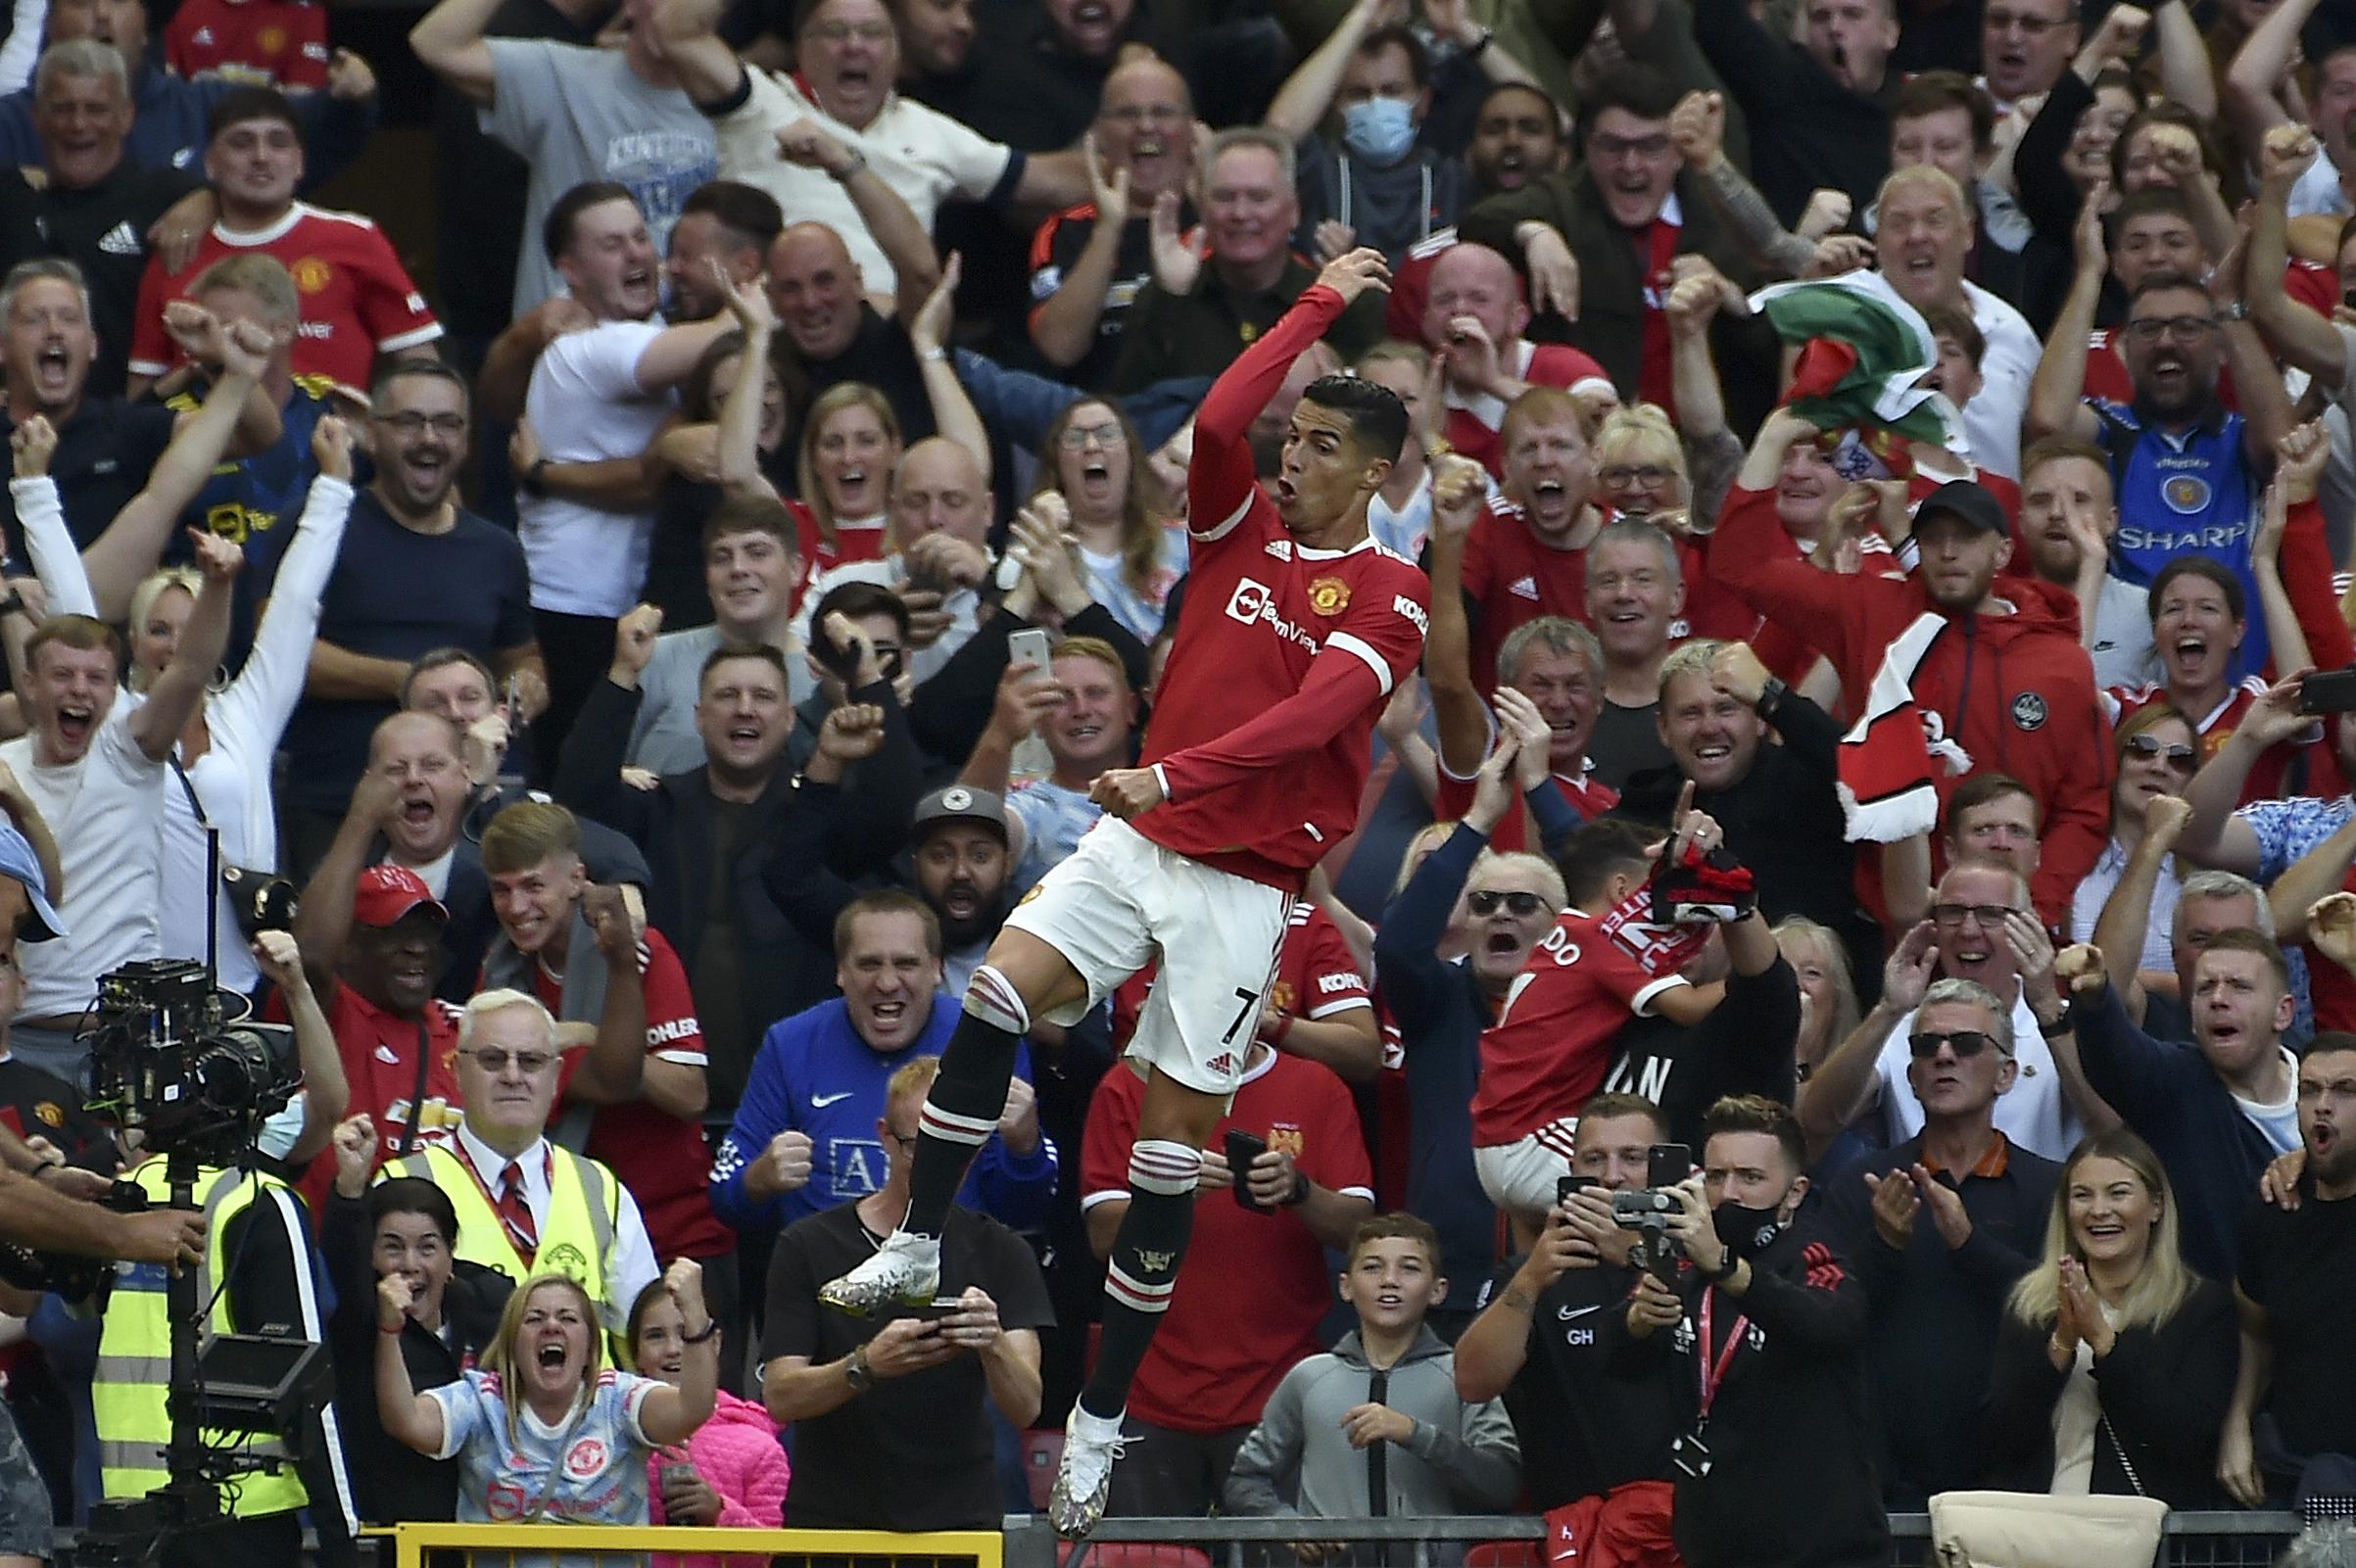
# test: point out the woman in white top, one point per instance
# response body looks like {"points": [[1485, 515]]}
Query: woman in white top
{"points": [[223, 762], [1129, 557], [2115, 1362], [2158, 754]]}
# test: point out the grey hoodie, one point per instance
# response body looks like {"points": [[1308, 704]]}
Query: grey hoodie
{"points": [[1460, 1458]]}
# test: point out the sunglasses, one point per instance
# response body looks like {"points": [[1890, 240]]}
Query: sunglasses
{"points": [[530, 1064], [1524, 905], [2179, 755], [1966, 1043]]}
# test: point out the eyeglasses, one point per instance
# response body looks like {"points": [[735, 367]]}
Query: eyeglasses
{"points": [[2002, 21], [531, 1064], [1601, 145], [2183, 329], [844, 31], [1075, 438], [1645, 474], [416, 424], [1147, 114], [1987, 914], [1486, 903], [2179, 755], [1965, 1044]]}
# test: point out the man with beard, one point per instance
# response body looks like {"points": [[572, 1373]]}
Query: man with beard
{"points": [[2069, 513], [1982, 931], [2189, 471], [802, 1139], [1473, 320], [2217, 1115], [1517, 137], [416, 572], [2295, 1400], [2029, 710]]}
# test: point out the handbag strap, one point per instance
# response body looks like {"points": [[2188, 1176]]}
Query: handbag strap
{"points": [[2124, 1464]]}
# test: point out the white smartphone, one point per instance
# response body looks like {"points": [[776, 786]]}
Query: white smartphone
{"points": [[1029, 645]]}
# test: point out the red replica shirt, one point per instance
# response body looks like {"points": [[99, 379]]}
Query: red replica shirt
{"points": [[1514, 579], [1262, 735], [357, 300], [1253, 1287], [1546, 1055], [383, 1064], [821, 555], [661, 1159], [1410, 285], [1474, 420], [267, 44]]}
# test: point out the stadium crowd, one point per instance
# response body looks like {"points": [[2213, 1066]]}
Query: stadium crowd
{"points": [[1336, 759]]}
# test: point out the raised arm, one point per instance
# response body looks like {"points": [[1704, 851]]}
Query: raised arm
{"points": [[2292, 330], [410, 1418], [954, 412], [1063, 327], [450, 40], [2055, 392], [1846, 1083], [323, 913], [262, 697], [2266, 57], [179, 691], [2185, 75], [2216, 836], [326, 1092], [1458, 500], [898, 234], [1698, 126], [708, 69], [1308, 93], [670, 1414], [616, 1066]]}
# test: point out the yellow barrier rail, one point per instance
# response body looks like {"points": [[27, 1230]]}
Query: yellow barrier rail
{"points": [[979, 1548]]}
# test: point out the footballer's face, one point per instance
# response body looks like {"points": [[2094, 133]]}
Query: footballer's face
{"points": [[1325, 475]]}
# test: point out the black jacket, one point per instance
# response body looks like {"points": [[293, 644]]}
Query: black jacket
{"points": [[2164, 1392], [390, 1479], [1793, 1480]]}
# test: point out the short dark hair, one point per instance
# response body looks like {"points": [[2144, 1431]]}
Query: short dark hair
{"points": [[1633, 89], [856, 598], [1397, 37], [441, 658], [886, 901], [2334, 1041], [241, 104], [1399, 1226], [2241, 939], [744, 210], [413, 1195], [1599, 851], [1377, 418], [2208, 570], [390, 370], [1610, 1107], [1495, 89], [1953, 322], [1931, 92], [1756, 1113], [2151, 199], [2166, 280], [557, 229], [1981, 788], [759, 652], [753, 514]]}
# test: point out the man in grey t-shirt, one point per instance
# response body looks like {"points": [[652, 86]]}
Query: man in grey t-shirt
{"points": [[575, 114]]}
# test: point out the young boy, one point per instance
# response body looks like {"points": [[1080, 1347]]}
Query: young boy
{"points": [[1391, 1382]]}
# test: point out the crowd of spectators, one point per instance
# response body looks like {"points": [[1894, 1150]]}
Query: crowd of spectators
{"points": [[1841, 987]]}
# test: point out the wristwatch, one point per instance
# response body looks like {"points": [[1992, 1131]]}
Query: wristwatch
{"points": [[855, 1371], [1770, 699]]}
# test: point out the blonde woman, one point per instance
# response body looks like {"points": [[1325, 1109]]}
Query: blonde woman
{"points": [[544, 1430], [2115, 1363]]}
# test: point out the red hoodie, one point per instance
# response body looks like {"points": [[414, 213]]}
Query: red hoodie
{"points": [[2016, 690]]}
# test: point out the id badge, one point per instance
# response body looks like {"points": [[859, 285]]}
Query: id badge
{"points": [[1690, 1455]]}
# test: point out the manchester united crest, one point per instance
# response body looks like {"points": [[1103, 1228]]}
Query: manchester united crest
{"points": [[312, 274], [1329, 597]]}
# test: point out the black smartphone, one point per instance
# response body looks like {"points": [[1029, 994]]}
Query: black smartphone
{"points": [[840, 660], [1242, 1149], [1667, 1164], [1564, 1186], [2328, 691]]}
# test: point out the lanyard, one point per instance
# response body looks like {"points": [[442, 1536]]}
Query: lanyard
{"points": [[1714, 1373]]}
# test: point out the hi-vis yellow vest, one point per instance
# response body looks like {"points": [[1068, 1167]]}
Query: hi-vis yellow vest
{"points": [[134, 1355], [584, 1214]]}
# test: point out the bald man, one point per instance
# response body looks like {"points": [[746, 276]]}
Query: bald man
{"points": [[1473, 318], [831, 326], [941, 515]]}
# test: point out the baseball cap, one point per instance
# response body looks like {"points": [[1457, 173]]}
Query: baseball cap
{"points": [[959, 803], [1968, 499], [17, 860], [388, 892]]}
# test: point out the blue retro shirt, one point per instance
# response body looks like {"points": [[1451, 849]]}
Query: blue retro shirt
{"points": [[256, 502], [2188, 491]]}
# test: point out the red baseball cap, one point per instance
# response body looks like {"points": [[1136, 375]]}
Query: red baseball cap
{"points": [[386, 893]]}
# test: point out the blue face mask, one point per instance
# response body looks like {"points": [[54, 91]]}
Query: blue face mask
{"points": [[1380, 130]]}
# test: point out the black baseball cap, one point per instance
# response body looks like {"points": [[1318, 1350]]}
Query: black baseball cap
{"points": [[1968, 499]]}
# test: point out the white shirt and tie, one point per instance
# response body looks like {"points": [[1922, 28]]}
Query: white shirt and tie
{"points": [[631, 1269]]}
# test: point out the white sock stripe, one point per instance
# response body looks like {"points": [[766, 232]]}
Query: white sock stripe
{"points": [[992, 998], [951, 1127], [1131, 1292], [1158, 1166]]}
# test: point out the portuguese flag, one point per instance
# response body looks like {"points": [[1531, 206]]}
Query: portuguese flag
{"points": [[1863, 351]]}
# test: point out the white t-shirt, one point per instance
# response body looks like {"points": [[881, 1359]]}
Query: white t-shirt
{"points": [[2034, 1113], [586, 405], [921, 153], [2279, 1121], [105, 811], [1992, 420]]}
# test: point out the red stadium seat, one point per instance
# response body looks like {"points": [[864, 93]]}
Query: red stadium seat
{"points": [[1132, 1555], [1504, 1554], [1042, 1452]]}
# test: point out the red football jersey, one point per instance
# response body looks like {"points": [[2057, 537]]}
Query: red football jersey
{"points": [[1213, 1365], [382, 1064], [357, 298], [662, 1159], [1546, 1055], [820, 554], [1513, 579], [2305, 765], [267, 43], [1263, 735]]}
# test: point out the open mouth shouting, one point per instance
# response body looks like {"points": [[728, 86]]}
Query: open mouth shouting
{"points": [[854, 488], [53, 370], [76, 722]]}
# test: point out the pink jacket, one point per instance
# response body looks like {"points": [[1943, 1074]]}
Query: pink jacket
{"points": [[737, 1452]]}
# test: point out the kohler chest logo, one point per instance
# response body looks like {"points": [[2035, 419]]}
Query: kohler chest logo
{"points": [[2029, 712]]}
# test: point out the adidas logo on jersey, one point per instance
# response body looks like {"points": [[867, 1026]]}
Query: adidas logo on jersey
{"points": [[121, 240], [1224, 1062], [1526, 588], [1280, 549]]}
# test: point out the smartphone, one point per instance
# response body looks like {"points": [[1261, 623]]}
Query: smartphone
{"points": [[938, 1307], [1566, 1186], [672, 1473], [1667, 1164], [1242, 1149], [2328, 691], [1029, 645]]}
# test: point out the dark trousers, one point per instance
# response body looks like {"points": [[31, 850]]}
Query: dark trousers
{"points": [[577, 649], [1167, 1474]]}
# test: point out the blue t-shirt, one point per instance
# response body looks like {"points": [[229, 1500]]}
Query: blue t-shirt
{"points": [[255, 503], [597, 1459], [395, 595], [1053, 819], [2188, 492], [815, 1075]]}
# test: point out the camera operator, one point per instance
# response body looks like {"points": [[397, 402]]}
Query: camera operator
{"points": [[1762, 1343], [1586, 1428]]}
